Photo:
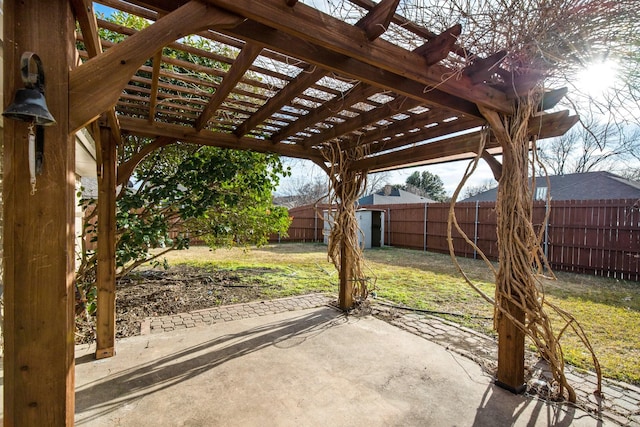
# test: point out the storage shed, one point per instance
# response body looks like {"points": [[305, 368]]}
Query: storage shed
{"points": [[370, 223]]}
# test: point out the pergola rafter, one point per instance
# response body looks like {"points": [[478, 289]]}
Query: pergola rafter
{"points": [[273, 76]]}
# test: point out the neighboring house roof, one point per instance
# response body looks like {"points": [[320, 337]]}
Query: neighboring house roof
{"points": [[390, 196], [577, 186]]}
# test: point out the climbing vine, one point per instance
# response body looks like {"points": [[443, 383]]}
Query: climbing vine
{"points": [[518, 286], [344, 250]]}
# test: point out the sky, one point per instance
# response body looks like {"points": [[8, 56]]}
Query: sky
{"points": [[450, 173], [102, 9]]}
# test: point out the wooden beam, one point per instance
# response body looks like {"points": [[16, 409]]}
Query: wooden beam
{"points": [[38, 229], [413, 27], [140, 9], [214, 139], [376, 22], [114, 124], [291, 3], [125, 170], [96, 84], [518, 85], [482, 69], [155, 79], [352, 68], [437, 49], [106, 253], [444, 149], [390, 108], [441, 130], [302, 81], [240, 66], [345, 292], [329, 108], [551, 98], [511, 338], [455, 148], [494, 164], [309, 24], [86, 17], [496, 124]]}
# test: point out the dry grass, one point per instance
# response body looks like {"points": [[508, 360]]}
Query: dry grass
{"points": [[608, 309]]}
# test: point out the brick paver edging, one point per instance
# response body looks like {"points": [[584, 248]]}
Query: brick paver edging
{"points": [[228, 313]]}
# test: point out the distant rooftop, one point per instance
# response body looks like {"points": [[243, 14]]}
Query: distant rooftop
{"points": [[577, 186]]}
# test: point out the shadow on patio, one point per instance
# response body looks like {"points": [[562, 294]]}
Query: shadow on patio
{"points": [[312, 367]]}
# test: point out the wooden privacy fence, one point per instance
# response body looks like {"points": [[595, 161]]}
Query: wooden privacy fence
{"points": [[600, 237]]}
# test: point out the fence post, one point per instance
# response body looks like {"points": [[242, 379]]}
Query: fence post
{"points": [[315, 225], [475, 231], [546, 229], [425, 227], [389, 225]]}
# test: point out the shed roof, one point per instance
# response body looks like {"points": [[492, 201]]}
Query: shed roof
{"points": [[390, 196]]}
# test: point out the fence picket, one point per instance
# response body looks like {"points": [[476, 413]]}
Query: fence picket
{"points": [[600, 237]]}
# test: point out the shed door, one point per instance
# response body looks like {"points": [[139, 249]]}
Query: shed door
{"points": [[376, 228]]}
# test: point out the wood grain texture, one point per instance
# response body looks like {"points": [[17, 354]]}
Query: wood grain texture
{"points": [[376, 22], [39, 229], [106, 253], [96, 85], [240, 66], [307, 23], [542, 126], [214, 139]]}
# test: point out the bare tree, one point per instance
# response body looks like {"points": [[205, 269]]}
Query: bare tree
{"points": [[301, 191], [309, 189], [473, 190], [632, 174], [376, 182], [595, 146], [553, 39]]}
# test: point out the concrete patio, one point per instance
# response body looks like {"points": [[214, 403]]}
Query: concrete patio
{"points": [[309, 367]]}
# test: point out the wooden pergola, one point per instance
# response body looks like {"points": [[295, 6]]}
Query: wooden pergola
{"points": [[276, 76]]}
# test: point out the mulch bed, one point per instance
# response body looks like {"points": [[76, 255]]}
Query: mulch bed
{"points": [[179, 289]]}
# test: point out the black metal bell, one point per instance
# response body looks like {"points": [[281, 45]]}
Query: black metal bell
{"points": [[30, 106]]}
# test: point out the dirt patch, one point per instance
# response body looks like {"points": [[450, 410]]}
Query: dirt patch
{"points": [[179, 289]]}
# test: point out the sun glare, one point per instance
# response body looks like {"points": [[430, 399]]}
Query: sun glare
{"points": [[597, 78]]}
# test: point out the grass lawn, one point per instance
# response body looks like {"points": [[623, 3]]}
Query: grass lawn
{"points": [[608, 309]]}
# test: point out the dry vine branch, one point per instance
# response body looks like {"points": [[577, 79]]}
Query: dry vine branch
{"points": [[344, 249], [452, 221], [517, 285]]}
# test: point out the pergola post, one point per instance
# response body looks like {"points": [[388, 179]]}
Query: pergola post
{"points": [[106, 255], [39, 228], [510, 375], [513, 209], [344, 249], [345, 293]]}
